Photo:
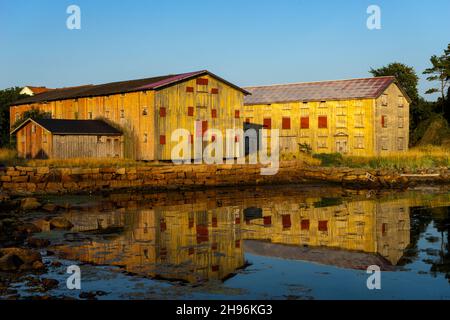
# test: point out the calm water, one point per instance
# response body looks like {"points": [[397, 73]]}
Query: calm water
{"points": [[265, 243]]}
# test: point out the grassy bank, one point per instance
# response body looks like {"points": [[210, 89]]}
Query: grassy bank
{"points": [[415, 159]]}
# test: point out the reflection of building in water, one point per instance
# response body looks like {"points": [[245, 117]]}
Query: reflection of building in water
{"points": [[204, 240]]}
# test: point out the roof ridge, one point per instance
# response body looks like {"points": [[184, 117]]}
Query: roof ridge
{"points": [[321, 81]]}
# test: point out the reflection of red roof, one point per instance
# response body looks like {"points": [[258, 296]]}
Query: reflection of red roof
{"points": [[317, 91]]}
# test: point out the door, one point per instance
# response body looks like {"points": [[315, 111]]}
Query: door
{"points": [[341, 146]]}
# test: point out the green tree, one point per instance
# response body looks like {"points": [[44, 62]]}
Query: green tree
{"points": [[7, 96], [440, 72]]}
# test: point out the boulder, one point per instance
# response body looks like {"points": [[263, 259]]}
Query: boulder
{"points": [[14, 259], [50, 207], [29, 204], [60, 223], [37, 242]]}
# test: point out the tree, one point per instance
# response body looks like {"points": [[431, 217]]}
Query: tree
{"points": [[440, 72], [7, 96], [405, 75]]}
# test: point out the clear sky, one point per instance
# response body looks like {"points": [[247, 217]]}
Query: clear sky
{"points": [[248, 42]]}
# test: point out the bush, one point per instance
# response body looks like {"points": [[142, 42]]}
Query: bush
{"points": [[329, 159]]}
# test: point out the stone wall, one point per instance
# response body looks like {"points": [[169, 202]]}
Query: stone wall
{"points": [[47, 180]]}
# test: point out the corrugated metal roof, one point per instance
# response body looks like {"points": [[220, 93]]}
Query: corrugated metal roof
{"points": [[74, 127], [153, 83], [319, 91]]}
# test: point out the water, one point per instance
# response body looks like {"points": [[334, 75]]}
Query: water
{"points": [[291, 242]]}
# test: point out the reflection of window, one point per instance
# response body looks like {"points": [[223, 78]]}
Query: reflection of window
{"points": [[267, 123], [286, 123], [341, 121], [33, 128], [400, 101], [304, 122], [144, 111], [384, 121], [323, 122]]}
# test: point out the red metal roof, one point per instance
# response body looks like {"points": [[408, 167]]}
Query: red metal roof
{"points": [[319, 91]]}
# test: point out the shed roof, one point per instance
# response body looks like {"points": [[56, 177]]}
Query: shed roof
{"points": [[318, 91], [74, 127], [153, 83]]}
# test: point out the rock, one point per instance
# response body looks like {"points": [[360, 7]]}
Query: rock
{"points": [[50, 207], [38, 243], [29, 204], [13, 259], [42, 224], [28, 228], [60, 223], [56, 264], [49, 284]]}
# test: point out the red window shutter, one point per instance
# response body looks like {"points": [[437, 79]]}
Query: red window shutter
{"points": [[215, 268], [191, 139], [204, 127], [214, 222], [202, 81], [189, 89], [247, 120], [191, 251], [305, 224], [236, 139], [163, 225], [383, 121], [304, 123], [286, 219], [238, 244], [323, 225], [323, 123], [214, 246], [384, 229], [162, 112], [237, 114], [190, 111], [268, 220], [202, 234], [214, 91], [162, 139], [214, 113], [238, 220], [286, 124], [267, 123]]}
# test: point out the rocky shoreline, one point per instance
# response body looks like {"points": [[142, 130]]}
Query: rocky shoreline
{"points": [[46, 180]]}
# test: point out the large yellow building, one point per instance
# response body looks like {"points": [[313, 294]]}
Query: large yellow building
{"points": [[362, 117], [146, 111]]}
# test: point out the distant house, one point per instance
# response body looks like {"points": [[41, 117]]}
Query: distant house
{"points": [[147, 110], [31, 91], [361, 117], [65, 139]]}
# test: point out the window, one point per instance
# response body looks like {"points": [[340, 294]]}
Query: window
{"points": [[384, 100], [400, 101], [214, 113], [305, 224], [189, 89], [162, 112], [286, 220], [401, 122], [267, 123], [144, 111], [359, 142], [75, 115], [322, 144], [90, 115], [322, 104], [323, 122], [107, 114], [267, 221], [304, 122], [323, 226], [122, 114], [99, 139], [359, 120], [400, 143], [202, 85], [44, 138], [384, 122], [214, 91], [286, 123], [33, 128], [162, 139], [384, 143], [341, 121], [247, 120], [145, 137], [236, 114]]}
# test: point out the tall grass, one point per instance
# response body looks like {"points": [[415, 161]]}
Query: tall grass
{"points": [[415, 159]]}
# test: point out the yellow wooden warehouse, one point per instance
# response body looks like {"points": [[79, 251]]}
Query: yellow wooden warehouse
{"points": [[146, 111], [362, 117]]}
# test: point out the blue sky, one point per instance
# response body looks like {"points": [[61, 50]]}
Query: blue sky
{"points": [[248, 42]]}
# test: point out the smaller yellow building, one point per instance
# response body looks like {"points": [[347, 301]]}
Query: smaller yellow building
{"points": [[362, 117]]}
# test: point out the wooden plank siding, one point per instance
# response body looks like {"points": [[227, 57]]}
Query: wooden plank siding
{"points": [[83, 146], [352, 127], [137, 114], [34, 142]]}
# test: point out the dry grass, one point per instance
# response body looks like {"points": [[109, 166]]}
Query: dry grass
{"points": [[8, 156], [418, 158]]}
